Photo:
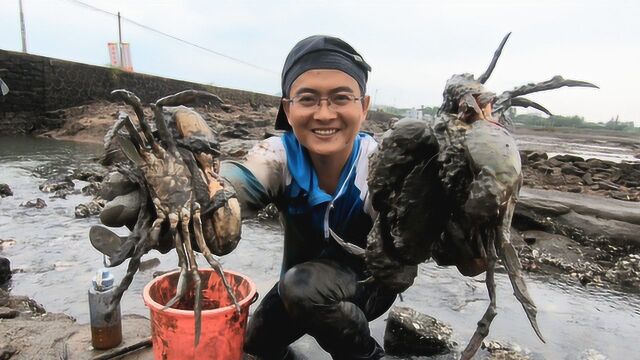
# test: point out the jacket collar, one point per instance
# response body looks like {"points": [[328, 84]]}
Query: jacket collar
{"points": [[304, 175]]}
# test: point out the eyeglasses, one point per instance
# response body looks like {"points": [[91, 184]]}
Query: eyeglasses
{"points": [[334, 101]]}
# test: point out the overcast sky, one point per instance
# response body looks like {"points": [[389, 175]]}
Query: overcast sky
{"points": [[413, 46]]}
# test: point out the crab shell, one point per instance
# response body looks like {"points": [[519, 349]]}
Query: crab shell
{"points": [[221, 227]]}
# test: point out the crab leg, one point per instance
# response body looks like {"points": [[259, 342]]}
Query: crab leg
{"points": [[513, 266], [131, 99], [197, 229], [182, 261], [142, 247], [154, 233], [128, 245], [185, 97], [163, 130], [483, 325], [185, 215], [496, 55], [123, 120]]}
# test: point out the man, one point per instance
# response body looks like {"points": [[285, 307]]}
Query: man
{"points": [[316, 175]]}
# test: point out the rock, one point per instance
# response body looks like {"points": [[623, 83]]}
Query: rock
{"points": [[6, 243], [586, 178], [574, 189], [603, 164], [60, 183], [500, 351], [553, 162], [88, 175], [236, 148], [92, 189], [631, 183], [626, 196], [7, 351], [20, 303], [5, 269], [592, 205], [568, 158], [543, 206], [89, 209], [537, 156], [227, 108], [60, 194], [8, 313], [269, 212], [571, 170], [591, 354], [607, 185], [572, 180], [116, 184], [582, 165], [626, 271], [554, 179], [121, 210], [590, 219], [148, 264], [37, 203], [270, 133], [136, 329], [237, 133], [409, 332], [5, 190]]}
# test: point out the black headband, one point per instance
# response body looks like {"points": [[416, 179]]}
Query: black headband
{"points": [[324, 60], [320, 52]]}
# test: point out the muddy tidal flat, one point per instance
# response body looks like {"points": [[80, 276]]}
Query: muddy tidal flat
{"points": [[581, 318]]}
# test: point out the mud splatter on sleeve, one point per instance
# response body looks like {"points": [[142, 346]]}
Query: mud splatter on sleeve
{"points": [[261, 177]]}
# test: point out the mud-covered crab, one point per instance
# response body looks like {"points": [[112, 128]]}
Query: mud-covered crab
{"points": [[447, 189], [175, 171]]}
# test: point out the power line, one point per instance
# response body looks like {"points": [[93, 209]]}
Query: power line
{"points": [[78, 2]]}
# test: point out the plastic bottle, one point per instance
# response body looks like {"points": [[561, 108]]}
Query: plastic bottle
{"points": [[106, 327]]}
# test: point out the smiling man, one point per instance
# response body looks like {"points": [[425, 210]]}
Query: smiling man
{"points": [[315, 173]]}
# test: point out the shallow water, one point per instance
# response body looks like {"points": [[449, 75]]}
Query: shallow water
{"points": [[585, 148], [56, 263]]}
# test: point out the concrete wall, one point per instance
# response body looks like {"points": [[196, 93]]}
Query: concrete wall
{"points": [[39, 85]]}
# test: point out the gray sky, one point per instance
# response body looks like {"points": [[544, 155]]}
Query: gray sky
{"points": [[413, 46]]}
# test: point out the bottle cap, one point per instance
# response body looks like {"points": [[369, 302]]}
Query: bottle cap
{"points": [[103, 280]]}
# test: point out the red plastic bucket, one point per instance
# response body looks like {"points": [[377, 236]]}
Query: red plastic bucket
{"points": [[222, 331]]}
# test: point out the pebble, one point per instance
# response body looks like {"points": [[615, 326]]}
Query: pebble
{"points": [[37, 203]]}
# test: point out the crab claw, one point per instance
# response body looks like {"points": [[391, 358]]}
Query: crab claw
{"points": [[555, 83], [522, 102]]}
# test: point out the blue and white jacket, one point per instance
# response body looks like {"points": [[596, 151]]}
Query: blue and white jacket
{"points": [[278, 170]]}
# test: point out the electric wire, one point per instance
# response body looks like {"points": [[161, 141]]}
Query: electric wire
{"points": [[146, 27]]}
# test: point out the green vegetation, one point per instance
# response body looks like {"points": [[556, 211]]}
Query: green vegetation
{"points": [[553, 121], [392, 110]]}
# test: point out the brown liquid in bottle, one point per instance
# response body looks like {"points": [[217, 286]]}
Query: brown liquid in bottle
{"points": [[106, 337]]}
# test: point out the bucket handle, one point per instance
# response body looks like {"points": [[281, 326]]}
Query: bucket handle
{"points": [[255, 298]]}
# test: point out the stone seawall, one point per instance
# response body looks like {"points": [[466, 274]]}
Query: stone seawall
{"points": [[40, 85]]}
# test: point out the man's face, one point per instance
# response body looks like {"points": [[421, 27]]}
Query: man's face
{"points": [[326, 130]]}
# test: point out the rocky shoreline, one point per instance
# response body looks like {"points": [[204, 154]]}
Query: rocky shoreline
{"points": [[578, 218]]}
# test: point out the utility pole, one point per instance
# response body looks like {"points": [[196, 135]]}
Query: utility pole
{"points": [[120, 41], [23, 32]]}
